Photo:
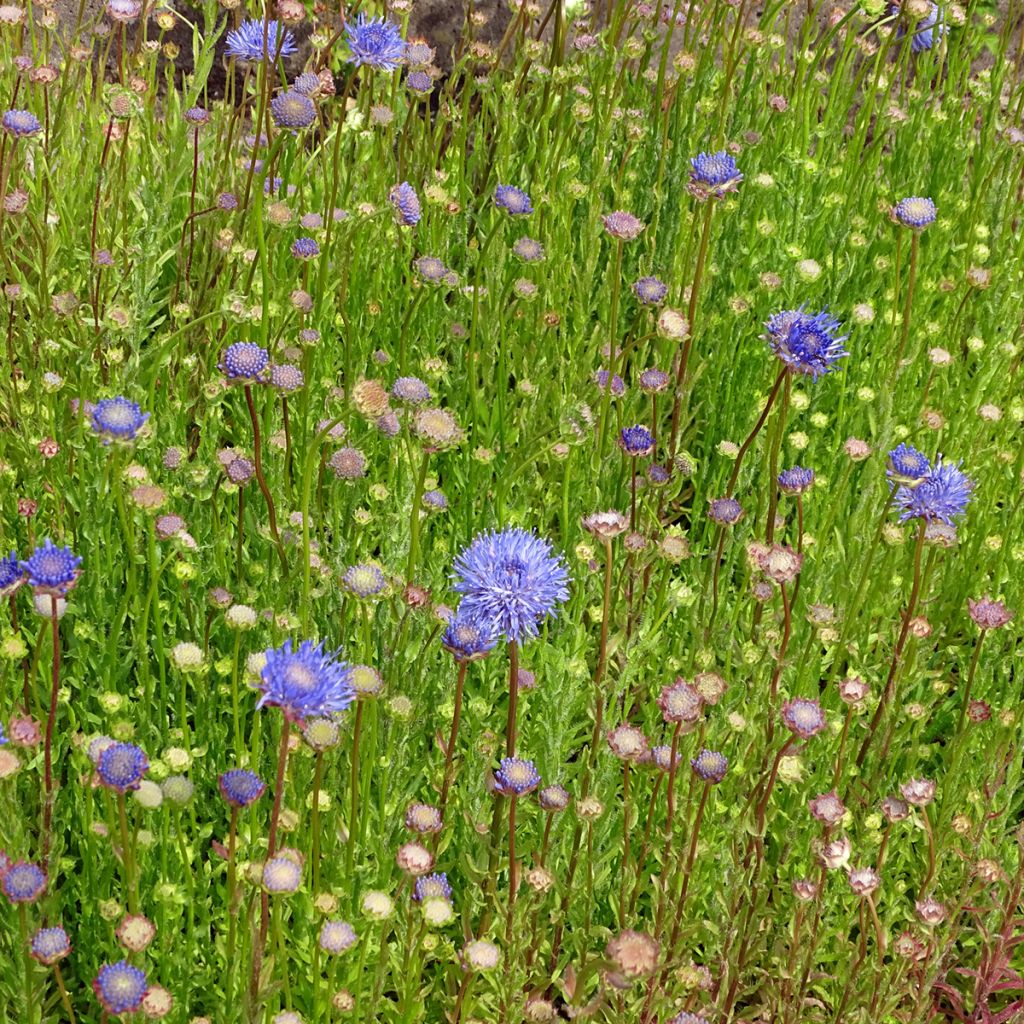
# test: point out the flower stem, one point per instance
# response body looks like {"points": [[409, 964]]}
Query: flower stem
{"points": [[257, 448], [50, 720]]}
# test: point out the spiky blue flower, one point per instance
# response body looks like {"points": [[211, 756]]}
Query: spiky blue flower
{"points": [[245, 361], [419, 81], [49, 945], [292, 109], [405, 203], [906, 465], [411, 390], [942, 494], [650, 290], [11, 574], [375, 42], [637, 441], [120, 987], [714, 174], [23, 882], [512, 580], [22, 124], [305, 681], [240, 787], [121, 766], [52, 569], [305, 248], [468, 638], [930, 29], [247, 42], [118, 418], [435, 885], [516, 776], [807, 343], [915, 212], [796, 480], [308, 83], [435, 501], [513, 200], [710, 765]]}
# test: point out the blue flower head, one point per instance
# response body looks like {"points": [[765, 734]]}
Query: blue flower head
{"points": [[636, 441], [468, 638], [240, 787], [796, 480], [11, 574], [118, 419], [305, 681], [513, 200], [907, 465], [246, 41], [52, 569], [714, 174], [375, 42], [650, 290], [305, 248], [3, 736], [23, 882], [942, 494], [435, 885], [516, 776], [22, 124], [121, 766], [511, 579], [245, 361], [930, 29], [807, 343], [49, 945], [915, 212], [292, 109], [405, 203], [120, 987]]}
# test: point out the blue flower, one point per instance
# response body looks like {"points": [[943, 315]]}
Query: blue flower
{"points": [[710, 765], [120, 987], [305, 248], [23, 882], [915, 212], [435, 885], [246, 42], [926, 31], [3, 736], [365, 579], [419, 81], [636, 441], [292, 109], [121, 766], [942, 494], [650, 291], [49, 945], [411, 390], [11, 574], [52, 569], [22, 124], [308, 83], [713, 174], [375, 42], [807, 343], [118, 418], [406, 204], [512, 580], [907, 465], [245, 361], [516, 776], [468, 638], [240, 787], [307, 681], [796, 480], [513, 200]]}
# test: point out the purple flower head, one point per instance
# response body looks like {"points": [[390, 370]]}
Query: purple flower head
{"points": [[623, 225], [803, 717], [22, 124], [227, 201], [406, 204], [915, 212], [468, 638], [650, 291], [245, 361], [617, 384], [247, 42], [120, 987], [11, 574], [511, 579], [305, 681], [713, 174], [411, 390], [907, 466], [121, 766], [930, 28], [710, 766], [419, 81], [807, 343], [292, 109], [118, 419], [636, 441], [942, 494], [513, 200], [725, 511], [432, 886], [553, 798], [529, 250], [308, 83], [516, 776], [654, 381], [52, 569], [336, 937], [49, 945], [375, 42], [796, 480], [305, 248], [197, 116], [240, 787], [286, 377], [365, 579], [435, 501], [23, 882], [430, 268]]}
